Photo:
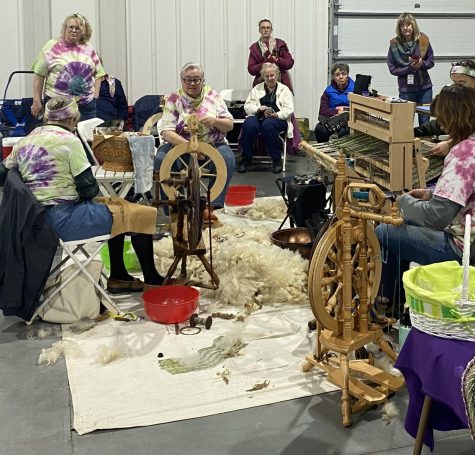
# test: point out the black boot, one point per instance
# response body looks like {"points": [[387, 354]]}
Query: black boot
{"points": [[243, 163], [277, 166]]}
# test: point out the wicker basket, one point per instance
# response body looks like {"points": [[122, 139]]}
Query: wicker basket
{"points": [[113, 152], [441, 297]]}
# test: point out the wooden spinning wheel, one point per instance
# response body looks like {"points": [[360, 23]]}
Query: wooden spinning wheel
{"points": [[200, 179], [325, 284], [343, 281], [208, 158]]}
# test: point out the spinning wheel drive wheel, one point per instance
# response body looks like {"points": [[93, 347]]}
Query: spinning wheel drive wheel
{"points": [[325, 276], [210, 155]]}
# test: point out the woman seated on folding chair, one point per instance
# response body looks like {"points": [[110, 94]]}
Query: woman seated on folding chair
{"points": [[269, 107], [54, 166]]}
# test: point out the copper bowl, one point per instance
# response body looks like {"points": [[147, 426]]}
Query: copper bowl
{"points": [[295, 239]]}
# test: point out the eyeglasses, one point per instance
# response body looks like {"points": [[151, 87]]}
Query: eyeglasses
{"points": [[72, 28], [189, 81], [466, 63], [266, 28]]}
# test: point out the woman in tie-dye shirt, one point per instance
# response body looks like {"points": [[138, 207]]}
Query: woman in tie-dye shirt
{"points": [[68, 66], [435, 218]]}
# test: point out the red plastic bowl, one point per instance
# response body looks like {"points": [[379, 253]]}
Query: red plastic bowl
{"points": [[240, 195], [170, 304]]}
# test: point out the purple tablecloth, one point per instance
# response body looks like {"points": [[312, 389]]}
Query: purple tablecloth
{"points": [[434, 366]]}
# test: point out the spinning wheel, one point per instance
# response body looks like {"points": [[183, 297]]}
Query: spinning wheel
{"points": [[343, 281], [325, 284], [207, 157], [188, 196]]}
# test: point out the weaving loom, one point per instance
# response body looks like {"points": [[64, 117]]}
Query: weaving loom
{"points": [[381, 147]]}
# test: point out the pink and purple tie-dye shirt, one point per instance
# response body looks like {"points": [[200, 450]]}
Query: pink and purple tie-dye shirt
{"points": [[180, 106], [70, 69], [48, 160], [457, 183]]}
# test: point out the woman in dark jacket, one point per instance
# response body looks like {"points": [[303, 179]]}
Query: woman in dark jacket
{"points": [[410, 55]]}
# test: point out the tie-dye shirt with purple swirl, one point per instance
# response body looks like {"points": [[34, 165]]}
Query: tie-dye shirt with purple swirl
{"points": [[180, 106], [48, 160], [457, 183], [70, 69]]}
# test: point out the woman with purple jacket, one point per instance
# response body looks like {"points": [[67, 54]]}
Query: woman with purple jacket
{"points": [[269, 50], [410, 55]]}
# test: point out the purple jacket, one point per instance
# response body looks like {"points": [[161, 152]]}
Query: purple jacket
{"points": [[421, 76], [281, 53]]}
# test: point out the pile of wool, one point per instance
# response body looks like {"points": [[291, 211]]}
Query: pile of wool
{"points": [[265, 209], [250, 267]]}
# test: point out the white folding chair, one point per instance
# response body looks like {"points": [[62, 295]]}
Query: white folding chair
{"points": [[75, 250], [111, 183]]}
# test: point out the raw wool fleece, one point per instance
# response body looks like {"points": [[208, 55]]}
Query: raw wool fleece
{"points": [[250, 267], [267, 209]]}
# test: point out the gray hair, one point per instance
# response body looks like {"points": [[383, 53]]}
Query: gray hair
{"points": [[270, 66], [340, 66], [192, 66]]}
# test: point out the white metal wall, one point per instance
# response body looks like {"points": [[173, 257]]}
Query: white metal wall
{"points": [[367, 36], [145, 42]]}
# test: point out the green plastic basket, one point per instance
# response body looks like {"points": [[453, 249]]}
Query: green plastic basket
{"points": [[130, 258], [434, 295]]}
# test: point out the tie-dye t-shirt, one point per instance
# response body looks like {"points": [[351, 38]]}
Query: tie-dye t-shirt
{"points": [[48, 160], [457, 183], [180, 106], [70, 69]]}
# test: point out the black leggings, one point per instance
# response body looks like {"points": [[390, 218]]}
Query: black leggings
{"points": [[143, 246]]}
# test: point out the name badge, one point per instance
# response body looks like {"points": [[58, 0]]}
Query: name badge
{"points": [[410, 79]]}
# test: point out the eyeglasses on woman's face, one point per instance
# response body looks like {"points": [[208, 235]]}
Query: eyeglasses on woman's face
{"points": [[73, 28], [190, 81]]}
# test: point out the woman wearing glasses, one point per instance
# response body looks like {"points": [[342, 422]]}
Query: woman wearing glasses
{"points": [[269, 50], [410, 55], [194, 97], [68, 66]]}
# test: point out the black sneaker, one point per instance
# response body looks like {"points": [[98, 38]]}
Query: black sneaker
{"points": [[277, 167], [242, 166]]}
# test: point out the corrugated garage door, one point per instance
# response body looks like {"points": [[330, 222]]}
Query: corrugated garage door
{"points": [[360, 32]]}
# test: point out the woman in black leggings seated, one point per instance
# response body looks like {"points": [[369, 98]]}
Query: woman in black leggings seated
{"points": [[54, 166]]}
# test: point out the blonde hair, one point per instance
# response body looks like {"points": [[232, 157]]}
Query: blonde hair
{"points": [[407, 18], [84, 25]]}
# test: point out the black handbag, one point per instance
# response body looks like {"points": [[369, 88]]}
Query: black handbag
{"points": [[335, 123]]}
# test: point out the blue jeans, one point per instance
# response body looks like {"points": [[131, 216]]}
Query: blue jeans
{"points": [[269, 128], [223, 149], [419, 97], [402, 244], [80, 220]]}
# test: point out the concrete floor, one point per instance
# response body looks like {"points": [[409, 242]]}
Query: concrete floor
{"points": [[35, 407]]}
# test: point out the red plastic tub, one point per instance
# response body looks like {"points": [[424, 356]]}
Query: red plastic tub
{"points": [[7, 145], [170, 304], [240, 195]]}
